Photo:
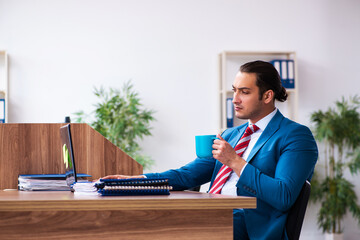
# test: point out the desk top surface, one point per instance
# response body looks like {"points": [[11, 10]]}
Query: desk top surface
{"points": [[68, 201]]}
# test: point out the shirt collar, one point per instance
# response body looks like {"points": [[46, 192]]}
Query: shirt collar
{"points": [[262, 123]]}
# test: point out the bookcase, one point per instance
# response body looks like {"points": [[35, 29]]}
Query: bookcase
{"points": [[229, 65], [4, 85]]}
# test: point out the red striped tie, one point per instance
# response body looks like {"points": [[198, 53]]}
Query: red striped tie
{"points": [[225, 171]]}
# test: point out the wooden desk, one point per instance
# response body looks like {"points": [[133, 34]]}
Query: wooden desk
{"points": [[64, 215]]}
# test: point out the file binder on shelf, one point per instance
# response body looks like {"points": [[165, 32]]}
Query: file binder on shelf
{"points": [[285, 67], [229, 113], [291, 78], [2, 110], [133, 187]]}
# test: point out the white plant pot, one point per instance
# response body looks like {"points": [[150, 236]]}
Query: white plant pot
{"points": [[334, 236]]}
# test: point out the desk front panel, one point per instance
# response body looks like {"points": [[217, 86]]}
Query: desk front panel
{"points": [[137, 224], [63, 215]]}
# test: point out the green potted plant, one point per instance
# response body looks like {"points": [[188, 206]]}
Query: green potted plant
{"points": [[338, 132], [120, 118]]}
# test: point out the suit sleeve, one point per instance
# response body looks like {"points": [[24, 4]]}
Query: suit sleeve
{"points": [[294, 155], [193, 174]]}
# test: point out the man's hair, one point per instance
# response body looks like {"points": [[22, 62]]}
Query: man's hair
{"points": [[267, 78]]}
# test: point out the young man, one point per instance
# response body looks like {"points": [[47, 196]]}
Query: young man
{"points": [[270, 157]]}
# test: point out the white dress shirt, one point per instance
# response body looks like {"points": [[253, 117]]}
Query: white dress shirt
{"points": [[229, 187]]}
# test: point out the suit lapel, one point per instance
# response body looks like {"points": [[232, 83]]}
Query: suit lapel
{"points": [[270, 129], [240, 131]]}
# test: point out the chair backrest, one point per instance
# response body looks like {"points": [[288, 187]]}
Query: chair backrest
{"points": [[297, 212]]}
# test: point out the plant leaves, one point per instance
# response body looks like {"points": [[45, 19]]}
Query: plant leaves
{"points": [[120, 118]]}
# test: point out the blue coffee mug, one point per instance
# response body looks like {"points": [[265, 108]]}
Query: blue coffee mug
{"points": [[203, 144]]}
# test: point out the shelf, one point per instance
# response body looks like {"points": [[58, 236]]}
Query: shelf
{"points": [[4, 85], [250, 53], [287, 90]]}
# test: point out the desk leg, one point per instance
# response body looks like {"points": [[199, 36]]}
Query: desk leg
{"points": [[146, 224]]}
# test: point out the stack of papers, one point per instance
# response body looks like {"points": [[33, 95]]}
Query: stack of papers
{"points": [[85, 188], [46, 182], [42, 183]]}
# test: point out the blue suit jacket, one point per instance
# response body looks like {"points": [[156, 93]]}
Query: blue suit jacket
{"points": [[282, 159]]}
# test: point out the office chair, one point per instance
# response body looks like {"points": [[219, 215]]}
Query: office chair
{"points": [[297, 212]]}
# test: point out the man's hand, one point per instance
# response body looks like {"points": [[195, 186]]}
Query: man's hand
{"points": [[121, 177], [226, 154]]}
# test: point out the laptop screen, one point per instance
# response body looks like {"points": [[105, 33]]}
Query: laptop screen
{"points": [[68, 155]]}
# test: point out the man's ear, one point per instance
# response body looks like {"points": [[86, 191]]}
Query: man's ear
{"points": [[268, 96]]}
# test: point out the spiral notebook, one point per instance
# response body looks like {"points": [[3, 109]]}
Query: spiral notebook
{"points": [[133, 187]]}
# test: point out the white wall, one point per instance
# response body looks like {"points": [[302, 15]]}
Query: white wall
{"points": [[60, 50]]}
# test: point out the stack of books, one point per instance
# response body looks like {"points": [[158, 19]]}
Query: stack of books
{"points": [[133, 186]]}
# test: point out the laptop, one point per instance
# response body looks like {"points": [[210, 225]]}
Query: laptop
{"points": [[71, 175]]}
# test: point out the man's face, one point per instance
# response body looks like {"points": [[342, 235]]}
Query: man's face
{"points": [[246, 97]]}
